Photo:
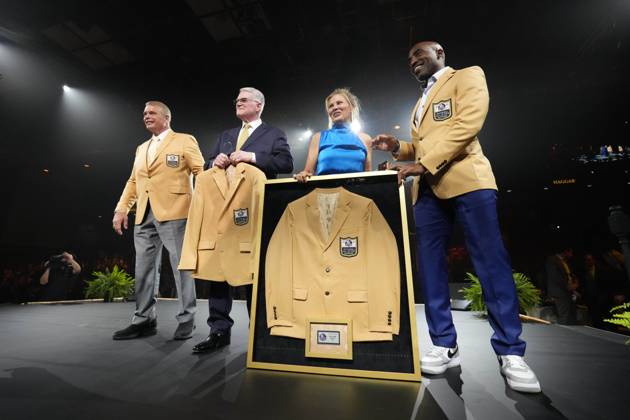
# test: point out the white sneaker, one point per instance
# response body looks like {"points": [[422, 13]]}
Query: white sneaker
{"points": [[520, 377], [438, 359]]}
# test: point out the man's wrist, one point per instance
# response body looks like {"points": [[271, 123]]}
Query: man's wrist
{"points": [[396, 150]]}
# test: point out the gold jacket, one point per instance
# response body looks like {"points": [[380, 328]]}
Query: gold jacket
{"points": [[220, 237], [445, 140], [352, 274], [166, 181]]}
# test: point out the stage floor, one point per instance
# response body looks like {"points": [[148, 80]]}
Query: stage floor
{"points": [[59, 361]]}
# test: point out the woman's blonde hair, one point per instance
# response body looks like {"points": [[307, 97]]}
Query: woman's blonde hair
{"points": [[352, 100]]}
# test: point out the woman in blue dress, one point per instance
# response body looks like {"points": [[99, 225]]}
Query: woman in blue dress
{"points": [[339, 149]]}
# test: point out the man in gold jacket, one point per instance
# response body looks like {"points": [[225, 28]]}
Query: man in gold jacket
{"points": [[454, 181], [160, 186]]}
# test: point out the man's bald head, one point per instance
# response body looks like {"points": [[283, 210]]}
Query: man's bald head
{"points": [[425, 59]]}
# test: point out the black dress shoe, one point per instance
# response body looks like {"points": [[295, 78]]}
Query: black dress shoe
{"points": [[184, 330], [215, 341], [144, 329]]}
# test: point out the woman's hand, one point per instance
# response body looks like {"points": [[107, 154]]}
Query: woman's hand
{"points": [[303, 176]]}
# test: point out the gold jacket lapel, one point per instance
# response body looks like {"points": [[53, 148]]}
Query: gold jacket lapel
{"points": [[240, 177], [434, 90], [220, 179], [341, 214], [162, 146], [312, 217]]}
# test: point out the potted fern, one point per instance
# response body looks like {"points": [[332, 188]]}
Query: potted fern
{"points": [[110, 284], [620, 318], [528, 294]]}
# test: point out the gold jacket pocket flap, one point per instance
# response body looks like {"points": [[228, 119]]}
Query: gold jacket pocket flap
{"points": [[357, 296], [206, 245], [178, 189], [300, 294], [245, 246]]}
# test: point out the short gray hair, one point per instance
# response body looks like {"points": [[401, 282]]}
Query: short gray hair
{"points": [[162, 105], [258, 95]]}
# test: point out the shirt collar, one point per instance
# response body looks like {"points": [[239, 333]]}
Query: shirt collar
{"points": [[161, 136], [254, 124], [436, 76]]}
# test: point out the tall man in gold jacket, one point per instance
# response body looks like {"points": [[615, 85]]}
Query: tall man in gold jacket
{"points": [[160, 186], [454, 181]]}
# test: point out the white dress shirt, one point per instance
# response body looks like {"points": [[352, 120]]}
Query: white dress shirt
{"points": [[155, 143], [430, 84], [252, 126]]}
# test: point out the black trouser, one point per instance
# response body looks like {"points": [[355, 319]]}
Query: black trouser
{"points": [[566, 310], [220, 306]]}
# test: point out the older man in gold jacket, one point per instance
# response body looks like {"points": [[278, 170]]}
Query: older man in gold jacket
{"points": [[161, 187]]}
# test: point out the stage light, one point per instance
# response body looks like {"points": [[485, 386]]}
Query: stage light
{"points": [[396, 127], [306, 135], [45, 171], [509, 191], [589, 186], [355, 126], [66, 88], [85, 165], [545, 188], [557, 226]]}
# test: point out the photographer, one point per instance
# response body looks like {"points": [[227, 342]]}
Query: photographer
{"points": [[60, 273]]}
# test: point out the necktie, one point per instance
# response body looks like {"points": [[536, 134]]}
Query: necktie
{"points": [[155, 141], [242, 137]]}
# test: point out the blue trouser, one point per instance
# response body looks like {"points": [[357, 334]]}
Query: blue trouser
{"points": [[477, 213]]}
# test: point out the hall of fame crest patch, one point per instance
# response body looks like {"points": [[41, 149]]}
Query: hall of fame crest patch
{"points": [[172, 161], [241, 217], [349, 247], [442, 110]]}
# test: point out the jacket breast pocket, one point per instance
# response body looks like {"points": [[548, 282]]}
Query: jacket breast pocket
{"points": [[357, 296], [203, 245], [300, 294], [178, 189]]}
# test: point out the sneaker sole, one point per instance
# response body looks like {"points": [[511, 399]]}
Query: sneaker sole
{"points": [[436, 370], [521, 387]]}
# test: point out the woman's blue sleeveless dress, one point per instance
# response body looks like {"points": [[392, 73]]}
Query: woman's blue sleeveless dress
{"points": [[340, 151]]}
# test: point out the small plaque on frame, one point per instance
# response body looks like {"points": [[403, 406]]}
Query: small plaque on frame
{"points": [[329, 339]]}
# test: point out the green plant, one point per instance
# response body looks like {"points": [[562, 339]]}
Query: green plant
{"points": [[620, 318], [528, 294], [110, 284]]}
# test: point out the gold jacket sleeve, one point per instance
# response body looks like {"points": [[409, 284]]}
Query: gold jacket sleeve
{"points": [[188, 259], [129, 196], [279, 274], [193, 156], [383, 274]]}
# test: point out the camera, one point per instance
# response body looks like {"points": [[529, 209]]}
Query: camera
{"points": [[59, 262]]}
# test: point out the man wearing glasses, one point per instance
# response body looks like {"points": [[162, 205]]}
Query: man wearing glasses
{"points": [[265, 147], [254, 141]]}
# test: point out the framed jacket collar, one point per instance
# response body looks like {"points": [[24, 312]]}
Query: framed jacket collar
{"points": [[341, 213]]}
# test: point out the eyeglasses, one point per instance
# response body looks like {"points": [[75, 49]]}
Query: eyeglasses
{"points": [[244, 100]]}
